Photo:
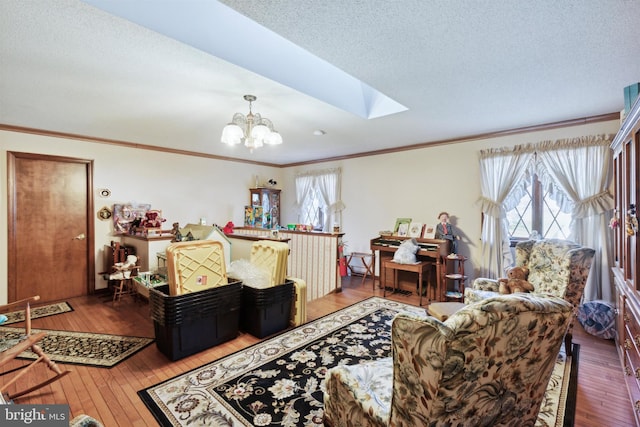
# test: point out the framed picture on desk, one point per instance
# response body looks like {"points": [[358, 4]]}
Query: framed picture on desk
{"points": [[402, 227], [415, 229], [429, 232]]}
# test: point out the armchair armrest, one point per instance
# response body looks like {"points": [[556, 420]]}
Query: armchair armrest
{"points": [[483, 284], [359, 393]]}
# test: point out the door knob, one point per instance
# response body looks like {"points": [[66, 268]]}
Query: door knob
{"points": [[80, 236]]}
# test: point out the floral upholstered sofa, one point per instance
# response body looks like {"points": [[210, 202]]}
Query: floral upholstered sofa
{"points": [[487, 365], [556, 267]]}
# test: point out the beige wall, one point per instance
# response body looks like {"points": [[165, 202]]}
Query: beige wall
{"points": [[421, 183], [375, 189], [185, 188]]}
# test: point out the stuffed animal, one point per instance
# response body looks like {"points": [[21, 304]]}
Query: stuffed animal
{"points": [[406, 252], [123, 270], [516, 281], [177, 235], [228, 229], [152, 219]]}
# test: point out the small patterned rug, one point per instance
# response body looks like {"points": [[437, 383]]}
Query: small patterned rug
{"points": [[278, 382], [80, 348], [37, 312]]}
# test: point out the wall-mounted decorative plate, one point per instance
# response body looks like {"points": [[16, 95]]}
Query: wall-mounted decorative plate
{"points": [[104, 213], [104, 192]]}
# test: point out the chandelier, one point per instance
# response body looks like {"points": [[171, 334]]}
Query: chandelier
{"points": [[252, 129]]}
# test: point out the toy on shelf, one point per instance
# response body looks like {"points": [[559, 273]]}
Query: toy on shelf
{"points": [[150, 223]]}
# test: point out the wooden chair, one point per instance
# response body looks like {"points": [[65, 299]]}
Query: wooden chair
{"points": [[122, 274], [28, 342]]}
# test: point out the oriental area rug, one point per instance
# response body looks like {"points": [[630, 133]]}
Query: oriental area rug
{"points": [[279, 381], [80, 348], [37, 312]]}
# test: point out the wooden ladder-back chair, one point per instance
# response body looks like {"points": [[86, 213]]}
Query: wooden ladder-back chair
{"points": [[122, 268], [14, 347]]}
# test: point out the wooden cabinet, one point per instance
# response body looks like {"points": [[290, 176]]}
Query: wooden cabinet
{"points": [[269, 200], [626, 172]]}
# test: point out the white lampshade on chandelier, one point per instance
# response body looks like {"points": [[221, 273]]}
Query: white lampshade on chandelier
{"points": [[252, 129]]}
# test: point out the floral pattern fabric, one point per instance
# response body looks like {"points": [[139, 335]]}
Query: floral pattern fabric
{"points": [[280, 381], [489, 364], [556, 267]]}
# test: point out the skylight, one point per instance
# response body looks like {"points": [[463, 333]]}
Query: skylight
{"points": [[221, 31]]}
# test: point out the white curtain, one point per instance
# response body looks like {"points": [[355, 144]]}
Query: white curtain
{"points": [[576, 173], [329, 184], [501, 176], [304, 185]]}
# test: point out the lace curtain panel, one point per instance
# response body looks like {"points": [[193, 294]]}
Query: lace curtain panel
{"points": [[576, 172], [328, 182], [501, 171]]}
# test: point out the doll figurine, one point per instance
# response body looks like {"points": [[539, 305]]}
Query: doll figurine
{"points": [[444, 230]]}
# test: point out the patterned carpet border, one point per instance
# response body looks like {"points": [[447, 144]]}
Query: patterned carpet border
{"points": [[81, 348], [568, 398], [279, 381], [38, 312]]}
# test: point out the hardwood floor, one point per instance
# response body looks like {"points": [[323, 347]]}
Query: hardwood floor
{"points": [[110, 394]]}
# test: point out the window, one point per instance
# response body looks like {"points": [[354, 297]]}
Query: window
{"points": [[537, 212], [312, 211], [318, 198]]}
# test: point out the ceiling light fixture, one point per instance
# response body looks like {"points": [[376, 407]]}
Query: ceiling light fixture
{"points": [[253, 129]]}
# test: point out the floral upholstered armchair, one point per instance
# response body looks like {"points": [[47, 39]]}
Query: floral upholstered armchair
{"points": [[488, 364], [556, 267]]}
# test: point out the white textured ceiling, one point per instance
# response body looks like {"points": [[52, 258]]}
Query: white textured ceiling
{"points": [[460, 67]]}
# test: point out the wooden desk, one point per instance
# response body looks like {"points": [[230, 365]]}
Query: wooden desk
{"points": [[419, 268], [433, 250]]}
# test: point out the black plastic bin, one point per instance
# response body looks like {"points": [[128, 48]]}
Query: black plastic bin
{"points": [[174, 310], [187, 324], [266, 311]]}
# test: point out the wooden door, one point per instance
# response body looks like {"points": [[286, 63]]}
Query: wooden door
{"points": [[50, 227]]}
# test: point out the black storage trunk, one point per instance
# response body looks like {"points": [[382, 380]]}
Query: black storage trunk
{"points": [[266, 311], [187, 324]]}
